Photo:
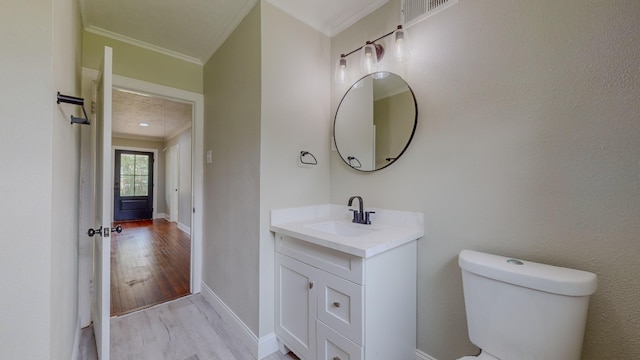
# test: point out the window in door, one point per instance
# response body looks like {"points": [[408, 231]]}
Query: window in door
{"points": [[133, 188]]}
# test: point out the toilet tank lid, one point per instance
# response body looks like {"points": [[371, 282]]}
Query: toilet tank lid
{"points": [[548, 278]]}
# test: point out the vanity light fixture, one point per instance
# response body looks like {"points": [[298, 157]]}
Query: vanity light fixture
{"points": [[372, 53]]}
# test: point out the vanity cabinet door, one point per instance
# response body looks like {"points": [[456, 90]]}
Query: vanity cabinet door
{"points": [[296, 296]]}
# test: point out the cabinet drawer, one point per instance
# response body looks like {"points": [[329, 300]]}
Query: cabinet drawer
{"points": [[333, 346], [340, 305], [345, 265]]}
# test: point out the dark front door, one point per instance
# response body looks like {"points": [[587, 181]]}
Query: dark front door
{"points": [[133, 190]]}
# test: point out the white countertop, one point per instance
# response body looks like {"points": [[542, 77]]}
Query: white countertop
{"points": [[388, 229]]}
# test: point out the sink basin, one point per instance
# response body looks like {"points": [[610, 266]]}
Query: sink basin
{"points": [[341, 229]]}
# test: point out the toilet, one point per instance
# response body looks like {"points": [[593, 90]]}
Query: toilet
{"points": [[522, 310]]}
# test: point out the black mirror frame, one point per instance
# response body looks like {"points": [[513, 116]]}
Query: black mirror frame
{"points": [[413, 131]]}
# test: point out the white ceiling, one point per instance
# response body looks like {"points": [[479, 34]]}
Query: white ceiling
{"points": [[193, 30], [165, 118], [328, 16]]}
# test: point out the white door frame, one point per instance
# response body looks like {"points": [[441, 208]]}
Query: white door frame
{"points": [[197, 196]]}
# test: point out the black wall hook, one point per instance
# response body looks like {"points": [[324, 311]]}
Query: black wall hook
{"points": [[75, 101]]}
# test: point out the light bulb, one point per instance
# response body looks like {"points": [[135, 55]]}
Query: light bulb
{"points": [[341, 75], [401, 45], [369, 60]]}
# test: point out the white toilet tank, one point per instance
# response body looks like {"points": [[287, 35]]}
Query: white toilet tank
{"points": [[521, 310]]}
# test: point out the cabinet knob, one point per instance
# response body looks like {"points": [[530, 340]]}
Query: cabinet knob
{"points": [[336, 358], [310, 284], [336, 304]]}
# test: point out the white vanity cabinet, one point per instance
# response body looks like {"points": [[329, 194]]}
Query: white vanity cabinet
{"points": [[332, 305]]}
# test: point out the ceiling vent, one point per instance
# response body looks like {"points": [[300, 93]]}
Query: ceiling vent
{"points": [[414, 11]]}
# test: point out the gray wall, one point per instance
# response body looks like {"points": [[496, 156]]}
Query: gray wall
{"points": [[294, 118], [527, 145], [254, 104], [232, 181], [39, 154]]}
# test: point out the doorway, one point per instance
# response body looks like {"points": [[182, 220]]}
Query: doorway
{"points": [[194, 207], [151, 258]]}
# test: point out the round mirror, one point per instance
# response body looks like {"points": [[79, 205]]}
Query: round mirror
{"points": [[375, 121]]}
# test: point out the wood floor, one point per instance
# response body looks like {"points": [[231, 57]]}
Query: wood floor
{"points": [[184, 329], [150, 264]]}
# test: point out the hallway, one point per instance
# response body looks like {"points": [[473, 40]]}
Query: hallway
{"points": [[150, 264]]}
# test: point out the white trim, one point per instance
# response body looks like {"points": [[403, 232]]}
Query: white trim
{"points": [[259, 347], [338, 28], [137, 137], [155, 173], [240, 15], [184, 228], [142, 44], [422, 356], [75, 353], [331, 30], [197, 146], [178, 131], [267, 345]]}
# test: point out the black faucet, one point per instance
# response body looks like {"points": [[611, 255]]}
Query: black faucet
{"points": [[360, 216]]}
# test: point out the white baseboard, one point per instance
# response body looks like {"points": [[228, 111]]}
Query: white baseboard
{"points": [[161, 216], [267, 345], [422, 356], [259, 347], [184, 228], [75, 354]]}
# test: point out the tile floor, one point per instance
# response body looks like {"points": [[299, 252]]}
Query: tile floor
{"points": [[183, 329]]}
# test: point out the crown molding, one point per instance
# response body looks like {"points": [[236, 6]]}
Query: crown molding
{"points": [[231, 26], [142, 44], [335, 29]]}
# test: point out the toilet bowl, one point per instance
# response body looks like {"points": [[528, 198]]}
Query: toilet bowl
{"points": [[521, 310]]}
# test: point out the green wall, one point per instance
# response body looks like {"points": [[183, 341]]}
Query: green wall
{"points": [[142, 64], [232, 181]]}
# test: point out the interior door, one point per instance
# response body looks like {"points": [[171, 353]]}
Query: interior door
{"points": [[173, 180], [133, 188], [102, 239]]}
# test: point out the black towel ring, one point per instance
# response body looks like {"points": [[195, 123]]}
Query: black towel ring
{"points": [[306, 153]]}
